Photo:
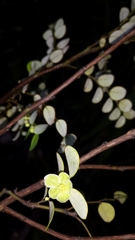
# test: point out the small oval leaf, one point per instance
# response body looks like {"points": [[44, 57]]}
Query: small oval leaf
{"points": [[114, 114], [40, 128], [34, 142], [33, 117], [108, 105], [127, 27], [105, 80], [120, 196], [51, 213], [88, 85], [89, 71], [115, 36], [120, 122], [63, 43], [130, 114], [106, 211], [60, 163], [72, 157], [44, 60], [60, 32], [47, 34], [49, 114], [79, 203], [132, 5], [50, 42], [98, 95], [102, 42], [15, 127], [59, 23], [124, 11], [125, 105], [61, 127], [56, 56], [117, 93]]}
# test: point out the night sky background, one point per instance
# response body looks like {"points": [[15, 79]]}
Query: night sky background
{"points": [[22, 23]]}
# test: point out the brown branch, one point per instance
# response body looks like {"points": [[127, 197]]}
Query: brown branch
{"points": [[60, 235], [34, 224], [33, 188], [67, 82], [38, 74], [129, 135], [107, 167]]}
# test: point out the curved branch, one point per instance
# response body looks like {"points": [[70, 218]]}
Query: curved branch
{"points": [[67, 82], [129, 135], [60, 235], [38, 74]]}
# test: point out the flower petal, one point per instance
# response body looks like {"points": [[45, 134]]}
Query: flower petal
{"points": [[64, 177], [51, 180], [63, 196], [53, 192]]}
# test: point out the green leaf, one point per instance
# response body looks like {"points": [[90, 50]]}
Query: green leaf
{"points": [[61, 127], [132, 19], [125, 105], [117, 93], [40, 128], [115, 36], [33, 65], [60, 163], [56, 56], [79, 203], [120, 196], [89, 71], [120, 122], [33, 117], [130, 114], [115, 114], [127, 27], [98, 95], [105, 80], [72, 157], [102, 42], [59, 23], [108, 105], [60, 32], [34, 142], [47, 34], [49, 114], [88, 85], [51, 213], [63, 43], [106, 211], [124, 11]]}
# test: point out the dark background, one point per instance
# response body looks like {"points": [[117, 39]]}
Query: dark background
{"points": [[22, 24]]}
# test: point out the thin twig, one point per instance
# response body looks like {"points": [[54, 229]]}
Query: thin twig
{"points": [[67, 82], [38, 74], [107, 167], [129, 135], [60, 235]]}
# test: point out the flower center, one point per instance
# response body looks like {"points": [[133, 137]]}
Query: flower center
{"points": [[62, 187]]}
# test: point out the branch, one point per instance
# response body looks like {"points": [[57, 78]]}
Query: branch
{"points": [[128, 136], [67, 82], [38, 74], [107, 167], [60, 235]]}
